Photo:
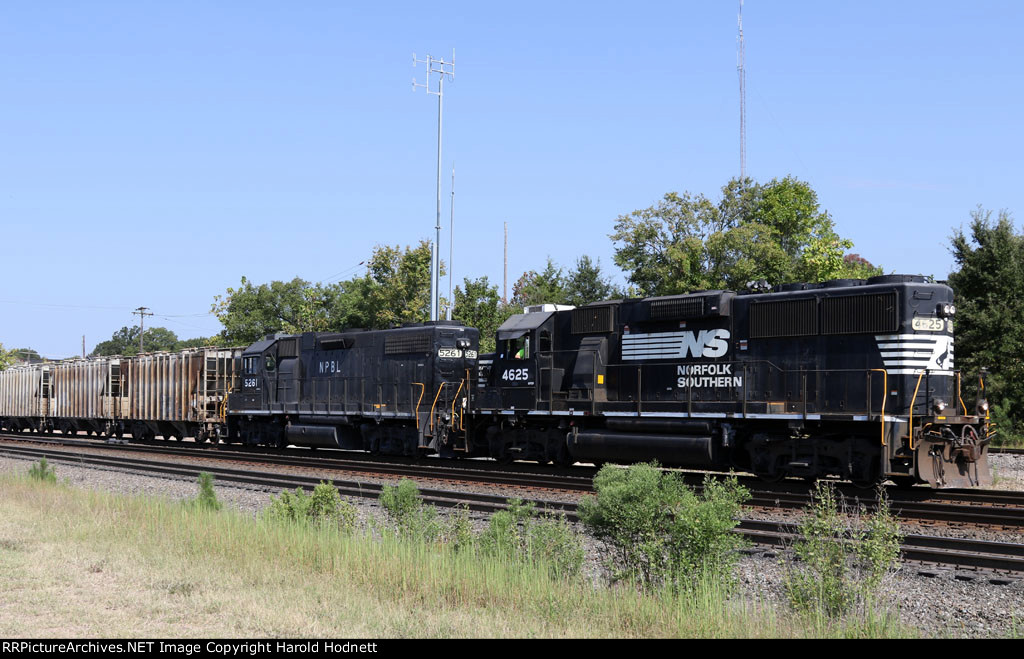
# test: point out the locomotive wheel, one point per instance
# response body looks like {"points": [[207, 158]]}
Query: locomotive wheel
{"points": [[903, 482], [870, 483]]}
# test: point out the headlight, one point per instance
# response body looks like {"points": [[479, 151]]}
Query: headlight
{"points": [[939, 406], [982, 407]]}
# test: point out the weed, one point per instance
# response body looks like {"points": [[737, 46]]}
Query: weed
{"points": [[458, 533], [411, 518], [43, 471], [840, 567], [324, 506], [519, 534]]}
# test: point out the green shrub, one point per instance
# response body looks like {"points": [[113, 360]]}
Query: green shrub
{"points": [[43, 471], [840, 565], [324, 506], [661, 533], [518, 533], [207, 498], [406, 510]]}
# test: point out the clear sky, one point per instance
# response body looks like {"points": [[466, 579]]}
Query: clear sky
{"points": [[152, 153]]}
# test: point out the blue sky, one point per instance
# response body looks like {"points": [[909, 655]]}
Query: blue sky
{"points": [[152, 153]]}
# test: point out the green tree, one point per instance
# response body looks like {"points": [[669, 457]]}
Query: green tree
{"points": [[7, 357], [586, 284], [776, 232], [125, 341], [989, 286], [249, 312], [477, 304], [396, 288], [547, 287]]}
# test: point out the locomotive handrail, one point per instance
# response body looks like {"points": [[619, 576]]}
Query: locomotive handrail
{"points": [[455, 398], [885, 395], [913, 401], [960, 395], [440, 388], [416, 413]]}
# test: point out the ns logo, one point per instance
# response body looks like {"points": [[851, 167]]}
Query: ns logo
{"points": [[708, 343]]}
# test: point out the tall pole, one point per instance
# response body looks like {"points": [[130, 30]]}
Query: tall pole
{"points": [[740, 67], [443, 69], [451, 246], [141, 313], [504, 289]]}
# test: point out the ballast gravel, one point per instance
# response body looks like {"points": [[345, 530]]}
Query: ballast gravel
{"points": [[939, 603]]}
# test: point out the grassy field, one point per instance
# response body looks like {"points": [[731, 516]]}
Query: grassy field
{"points": [[77, 563]]}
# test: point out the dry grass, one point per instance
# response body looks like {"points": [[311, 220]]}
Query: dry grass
{"points": [[86, 564]]}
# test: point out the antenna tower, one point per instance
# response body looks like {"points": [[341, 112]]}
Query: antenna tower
{"points": [[443, 70], [743, 100]]}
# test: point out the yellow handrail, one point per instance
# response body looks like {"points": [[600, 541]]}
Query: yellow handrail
{"points": [[959, 394], [455, 398], [224, 405], [439, 389], [885, 395], [910, 429], [423, 390]]}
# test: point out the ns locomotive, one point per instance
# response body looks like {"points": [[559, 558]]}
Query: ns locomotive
{"points": [[851, 378]]}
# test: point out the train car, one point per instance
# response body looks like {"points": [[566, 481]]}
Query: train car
{"points": [[177, 394], [25, 397], [400, 391], [850, 378], [170, 394], [83, 395]]}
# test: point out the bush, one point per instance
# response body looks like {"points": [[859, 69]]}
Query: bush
{"points": [[661, 533], [841, 567], [520, 534], [324, 506], [43, 471], [405, 508], [207, 498]]}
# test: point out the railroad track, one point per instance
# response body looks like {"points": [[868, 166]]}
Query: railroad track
{"points": [[997, 509], [996, 561]]}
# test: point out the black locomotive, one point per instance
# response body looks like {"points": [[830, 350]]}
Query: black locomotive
{"points": [[850, 378], [398, 391]]}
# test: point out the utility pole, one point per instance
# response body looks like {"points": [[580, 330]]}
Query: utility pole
{"points": [[504, 288], [443, 69], [83, 346], [740, 67], [141, 313]]}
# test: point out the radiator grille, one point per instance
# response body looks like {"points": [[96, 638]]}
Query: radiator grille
{"points": [[679, 309], [405, 343], [592, 320], [784, 318], [860, 314]]}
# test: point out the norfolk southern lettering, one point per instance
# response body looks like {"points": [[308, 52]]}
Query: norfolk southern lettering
{"points": [[707, 375]]}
